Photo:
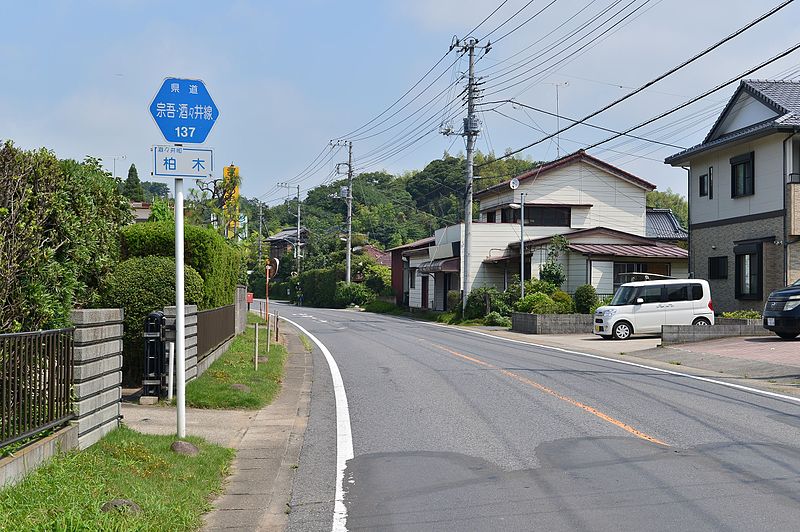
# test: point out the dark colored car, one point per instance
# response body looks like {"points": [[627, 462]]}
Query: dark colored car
{"points": [[782, 311]]}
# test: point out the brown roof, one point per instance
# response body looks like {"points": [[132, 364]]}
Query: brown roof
{"points": [[631, 250], [579, 155], [423, 242]]}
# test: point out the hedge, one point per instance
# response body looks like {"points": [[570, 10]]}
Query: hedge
{"points": [[206, 251], [318, 287], [141, 285]]}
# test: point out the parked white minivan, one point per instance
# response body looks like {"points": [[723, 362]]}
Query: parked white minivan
{"points": [[644, 306]]}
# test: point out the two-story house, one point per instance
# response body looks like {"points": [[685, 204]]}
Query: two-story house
{"points": [[744, 195], [599, 208]]}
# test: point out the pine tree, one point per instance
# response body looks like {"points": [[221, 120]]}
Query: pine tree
{"points": [[132, 188]]}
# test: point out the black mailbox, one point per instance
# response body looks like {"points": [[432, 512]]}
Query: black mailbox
{"points": [[154, 351]]}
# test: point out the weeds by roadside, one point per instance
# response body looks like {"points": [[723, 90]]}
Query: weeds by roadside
{"points": [[68, 492], [232, 381]]}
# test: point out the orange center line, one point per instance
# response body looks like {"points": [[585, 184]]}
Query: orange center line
{"points": [[545, 389]]}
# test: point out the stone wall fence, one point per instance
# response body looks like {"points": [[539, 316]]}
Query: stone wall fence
{"points": [[551, 323]]}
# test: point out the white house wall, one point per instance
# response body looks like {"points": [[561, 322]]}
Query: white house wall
{"points": [[616, 203], [746, 111], [767, 186], [603, 276]]}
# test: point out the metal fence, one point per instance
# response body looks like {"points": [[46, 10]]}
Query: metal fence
{"points": [[35, 382], [214, 327]]}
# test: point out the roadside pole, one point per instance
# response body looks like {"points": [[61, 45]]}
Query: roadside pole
{"points": [[180, 316]]}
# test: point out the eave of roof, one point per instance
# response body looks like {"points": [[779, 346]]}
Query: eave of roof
{"points": [[579, 155], [631, 250], [423, 242]]}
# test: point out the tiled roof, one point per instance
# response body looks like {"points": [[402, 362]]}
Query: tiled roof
{"points": [[781, 96], [631, 250], [662, 225]]}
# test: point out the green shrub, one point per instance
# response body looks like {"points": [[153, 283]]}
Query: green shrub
{"points": [[536, 303], [484, 300], [378, 278], [512, 294], [383, 307], [454, 300], [563, 302], [743, 315], [601, 303], [494, 318], [318, 287], [256, 283], [141, 285], [540, 285], [353, 294], [59, 236], [553, 273], [585, 299], [217, 261]]}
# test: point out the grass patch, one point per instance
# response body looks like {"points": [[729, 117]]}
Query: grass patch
{"points": [[68, 492], [306, 343], [213, 389], [383, 307], [675, 362]]}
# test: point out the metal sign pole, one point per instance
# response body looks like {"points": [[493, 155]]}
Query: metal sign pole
{"points": [[180, 318]]}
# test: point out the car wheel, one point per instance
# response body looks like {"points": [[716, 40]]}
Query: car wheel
{"points": [[787, 335], [702, 322], [622, 330]]}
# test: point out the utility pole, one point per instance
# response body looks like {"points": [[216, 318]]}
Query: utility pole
{"points": [[522, 244], [472, 127], [260, 216], [349, 210], [297, 247], [349, 198]]}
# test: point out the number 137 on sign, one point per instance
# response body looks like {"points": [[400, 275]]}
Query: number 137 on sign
{"points": [[184, 132]]}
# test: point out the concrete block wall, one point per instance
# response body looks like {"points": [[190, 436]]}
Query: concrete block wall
{"points": [[684, 334], [551, 323], [190, 315], [97, 372]]}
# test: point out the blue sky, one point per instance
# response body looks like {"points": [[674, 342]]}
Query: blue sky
{"points": [[79, 76]]}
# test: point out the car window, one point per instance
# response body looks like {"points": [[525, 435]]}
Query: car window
{"points": [[625, 295], [697, 292], [651, 294], [677, 292]]}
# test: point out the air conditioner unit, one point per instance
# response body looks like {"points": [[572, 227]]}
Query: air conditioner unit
{"points": [[793, 178]]}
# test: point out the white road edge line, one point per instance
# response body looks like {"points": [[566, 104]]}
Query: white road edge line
{"points": [[627, 363], [344, 434]]}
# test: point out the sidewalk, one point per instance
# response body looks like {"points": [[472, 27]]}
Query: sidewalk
{"points": [[267, 444], [764, 362]]}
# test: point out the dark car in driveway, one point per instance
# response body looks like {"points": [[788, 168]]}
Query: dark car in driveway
{"points": [[782, 311]]}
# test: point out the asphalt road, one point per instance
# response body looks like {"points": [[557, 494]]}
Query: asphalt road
{"points": [[456, 431]]}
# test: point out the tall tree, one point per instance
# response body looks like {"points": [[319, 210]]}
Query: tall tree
{"points": [[154, 189], [670, 200], [132, 187]]}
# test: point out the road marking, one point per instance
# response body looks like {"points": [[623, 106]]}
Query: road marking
{"points": [[344, 434], [545, 389], [740, 387]]}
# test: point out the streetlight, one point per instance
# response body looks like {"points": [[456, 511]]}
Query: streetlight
{"points": [[114, 164], [521, 207]]}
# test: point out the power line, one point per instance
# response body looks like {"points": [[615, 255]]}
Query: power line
{"points": [[662, 76]]}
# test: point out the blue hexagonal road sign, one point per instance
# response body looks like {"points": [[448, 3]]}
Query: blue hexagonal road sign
{"points": [[184, 111]]}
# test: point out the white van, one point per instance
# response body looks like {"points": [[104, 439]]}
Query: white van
{"points": [[644, 306]]}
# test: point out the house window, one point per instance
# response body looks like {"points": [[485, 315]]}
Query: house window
{"points": [[718, 267], [710, 182], [621, 268], [509, 215], [490, 216], [547, 216], [749, 275], [704, 185], [742, 176], [412, 278]]}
